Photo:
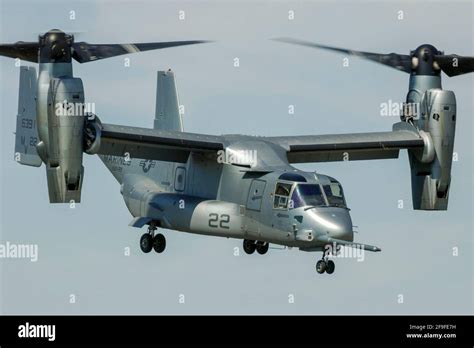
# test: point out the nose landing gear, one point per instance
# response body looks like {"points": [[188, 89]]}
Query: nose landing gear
{"points": [[150, 241], [325, 265]]}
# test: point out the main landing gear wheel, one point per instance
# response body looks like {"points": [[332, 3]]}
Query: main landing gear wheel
{"points": [[159, 243], [146, 243], [262, 247], [249, 246]]}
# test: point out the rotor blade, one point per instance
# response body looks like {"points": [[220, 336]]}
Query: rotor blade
{"points": [[84, 52], [24, 50], [401, 62], [453, 64]]}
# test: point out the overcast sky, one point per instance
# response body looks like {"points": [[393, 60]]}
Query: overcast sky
{"points": [[81, 250]]}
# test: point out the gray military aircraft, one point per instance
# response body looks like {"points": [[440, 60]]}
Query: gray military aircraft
{"points": [[233, 186]]}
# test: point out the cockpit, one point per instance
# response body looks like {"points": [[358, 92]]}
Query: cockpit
{"points": [[300, 193]]}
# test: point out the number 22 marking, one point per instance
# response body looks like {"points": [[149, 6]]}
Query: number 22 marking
{"points": [[215, 223]]}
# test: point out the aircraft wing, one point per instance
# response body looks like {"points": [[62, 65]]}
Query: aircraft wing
{"points": [[352, 147], [157, 144]]}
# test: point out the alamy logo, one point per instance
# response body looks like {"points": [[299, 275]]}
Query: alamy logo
{"points": [[67, 108], [347, 251], [37, 331], [237, 157], [391, 108], [19, 251]]}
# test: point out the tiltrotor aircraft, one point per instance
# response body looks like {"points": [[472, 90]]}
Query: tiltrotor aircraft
{"points": [[230, 185]]}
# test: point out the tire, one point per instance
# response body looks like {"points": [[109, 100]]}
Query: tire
{"points": [[159, 243], [330, 267], [262, 247], [320, 266], [249, 246], [146, 243]]}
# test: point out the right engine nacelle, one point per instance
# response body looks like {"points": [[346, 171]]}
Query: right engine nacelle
{"points": [[431, 170]]}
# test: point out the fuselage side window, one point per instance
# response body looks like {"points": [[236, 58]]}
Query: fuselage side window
{"points": [[282, 195]]}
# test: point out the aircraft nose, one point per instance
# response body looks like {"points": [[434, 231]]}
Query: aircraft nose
{"points": [[334, 221]]}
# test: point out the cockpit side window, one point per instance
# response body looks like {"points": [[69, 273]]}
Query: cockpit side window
{"points": [[334, 194], [282, 195]]}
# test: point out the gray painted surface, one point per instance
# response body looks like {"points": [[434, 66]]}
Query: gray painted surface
{"points": [[417, 260]]}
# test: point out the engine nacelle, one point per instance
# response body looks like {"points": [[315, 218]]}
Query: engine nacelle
{"points": [[92, 134], [63, 150], [431, 170]]}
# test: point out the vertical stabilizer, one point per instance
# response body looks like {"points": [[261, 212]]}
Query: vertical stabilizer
{"points": [[26, 135], [167, 114]]}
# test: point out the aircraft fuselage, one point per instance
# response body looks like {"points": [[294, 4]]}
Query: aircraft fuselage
{"points": [[280, 205]]}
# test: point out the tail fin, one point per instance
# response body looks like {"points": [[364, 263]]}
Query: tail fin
{"points": [[26, 135], [167, 114]]}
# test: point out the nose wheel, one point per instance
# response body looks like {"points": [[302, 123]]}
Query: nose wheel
{"points": [[159, 243], [150, 241], [146, 243], [325, 265]]}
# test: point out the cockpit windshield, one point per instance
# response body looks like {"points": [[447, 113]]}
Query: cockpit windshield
{"points": [[334, 194], [307, 194], [312, 195]]}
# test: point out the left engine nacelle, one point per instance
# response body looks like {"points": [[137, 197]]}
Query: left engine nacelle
{"points": [[62, 147]]}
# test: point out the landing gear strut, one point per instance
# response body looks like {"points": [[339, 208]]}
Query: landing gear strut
{"points": [[151, 241], [325, 265]]}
